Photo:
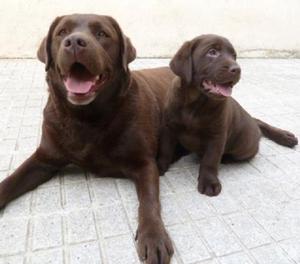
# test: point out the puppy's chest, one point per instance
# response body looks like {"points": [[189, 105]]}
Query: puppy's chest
{"points": [[194, 130], [188, 122]]}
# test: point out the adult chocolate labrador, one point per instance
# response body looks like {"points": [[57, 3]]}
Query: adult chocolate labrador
{"points": [[102, 117], [203, 118]]}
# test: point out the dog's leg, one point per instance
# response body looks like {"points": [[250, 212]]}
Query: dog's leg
{"points": [[154, 244], [36, 170], [282, 137], [167, 147], [208, 182]]}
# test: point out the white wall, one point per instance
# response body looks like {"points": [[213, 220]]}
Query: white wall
{"points": [[157, 28]]}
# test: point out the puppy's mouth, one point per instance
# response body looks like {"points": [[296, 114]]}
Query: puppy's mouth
{"points": [[82, 85], [221, 89]]}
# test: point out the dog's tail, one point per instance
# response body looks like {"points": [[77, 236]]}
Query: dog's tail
{"points": [[281, 137]]}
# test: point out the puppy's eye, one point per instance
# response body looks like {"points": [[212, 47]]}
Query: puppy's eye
{"points": [[213, 53], [62, 32], [101, 34]]}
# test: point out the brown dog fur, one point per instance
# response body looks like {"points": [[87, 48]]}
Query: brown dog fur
{"points": [[203, 120], [113, 132]]}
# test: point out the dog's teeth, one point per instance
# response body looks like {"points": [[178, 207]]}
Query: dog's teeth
{"points": [[97, 78]]}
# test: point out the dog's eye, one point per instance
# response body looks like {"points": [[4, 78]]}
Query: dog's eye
{"points": [[213, 53], [62, 32], [101, 34]]}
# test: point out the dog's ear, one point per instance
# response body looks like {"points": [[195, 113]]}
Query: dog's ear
{"points": [[127, 50], [44, 51], [182, 62]]}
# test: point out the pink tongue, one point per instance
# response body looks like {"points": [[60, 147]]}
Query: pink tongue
{"points": [[224, 90], [79, 87]]}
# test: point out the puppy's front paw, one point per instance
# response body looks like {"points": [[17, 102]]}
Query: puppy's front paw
{"points": [[154, 244], [209, 185]]}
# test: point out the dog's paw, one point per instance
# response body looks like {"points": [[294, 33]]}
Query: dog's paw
{"points": [[209, 185], [287, 139], [154, 244]]}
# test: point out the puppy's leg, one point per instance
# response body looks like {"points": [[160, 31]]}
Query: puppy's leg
{"points": [[154, 244], [167, 147], [208, 182], [36, 170], [282, 137]]}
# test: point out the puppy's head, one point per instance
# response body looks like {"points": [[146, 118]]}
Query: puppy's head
{"points": [[209, 63], [86, 52]]}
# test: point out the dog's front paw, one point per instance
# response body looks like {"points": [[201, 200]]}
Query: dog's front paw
{"points": [[209, 185], [154, 244]]}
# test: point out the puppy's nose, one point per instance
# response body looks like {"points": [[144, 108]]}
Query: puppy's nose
{"points": [[76, 42], [235, 69]]}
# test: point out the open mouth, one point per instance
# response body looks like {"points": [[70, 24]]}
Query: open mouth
{"points": [[81, 84], [222, 89]]}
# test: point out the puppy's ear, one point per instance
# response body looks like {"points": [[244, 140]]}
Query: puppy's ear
{"points": [[44, 51], [182, 62], [127, 50]]}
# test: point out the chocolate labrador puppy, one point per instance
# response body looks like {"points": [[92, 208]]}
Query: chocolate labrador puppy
{"points": [[203, 117], [102, 117]]}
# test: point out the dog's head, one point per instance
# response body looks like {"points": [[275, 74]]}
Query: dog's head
{"points": [[86, 52], [209, 63]]}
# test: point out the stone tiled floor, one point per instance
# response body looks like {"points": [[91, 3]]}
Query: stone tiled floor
{"points": [[77, 218]]}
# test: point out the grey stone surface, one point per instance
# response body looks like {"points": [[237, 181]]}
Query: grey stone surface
{"points": [[77, 218]]}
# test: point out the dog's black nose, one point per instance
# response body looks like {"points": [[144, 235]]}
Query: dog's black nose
{"points": [[75, 42], [235, 69]]}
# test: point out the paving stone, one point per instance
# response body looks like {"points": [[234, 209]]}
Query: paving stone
{"points": [[127, 190], [219, 238], [270, 254], [104, 192], [13, 235], [52, 256], [77, 195], [248, 231], [194, 204], [292, 248], [47, 232], [47, 200], [85, 253], [19, 207], [238, 258], [73, 175], [80, 226], [181, 181], [112, 220], [4, 161], [120, 250], [12, 260], [280, 220], [188, 243], [224, 203]]}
